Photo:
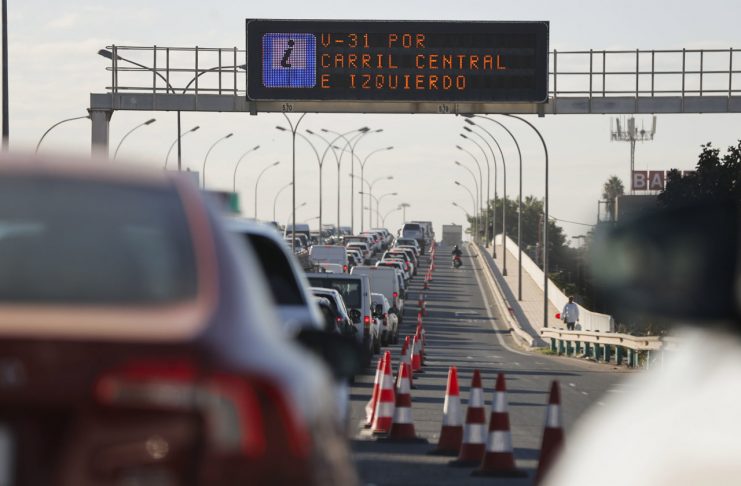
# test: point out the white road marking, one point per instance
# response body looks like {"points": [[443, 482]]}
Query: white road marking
{"points": [[489, 315], [572, 384], [584, 393]]}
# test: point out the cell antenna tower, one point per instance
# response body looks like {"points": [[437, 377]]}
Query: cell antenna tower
{"points": [[619, 133]]}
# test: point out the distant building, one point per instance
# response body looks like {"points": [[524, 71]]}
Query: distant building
{"points": [[630, 206]]}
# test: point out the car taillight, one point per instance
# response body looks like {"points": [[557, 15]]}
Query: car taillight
{"points": [[366, 321], [396, 294], [407, 266], [386, 315], [344, 268], [244, 415]]}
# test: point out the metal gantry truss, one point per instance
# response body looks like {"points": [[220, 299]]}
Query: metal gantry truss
{"points": [[580, 82]]}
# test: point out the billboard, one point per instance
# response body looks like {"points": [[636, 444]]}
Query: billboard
{"points": [[351, 60]]}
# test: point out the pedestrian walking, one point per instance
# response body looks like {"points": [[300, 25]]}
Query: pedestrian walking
{"points": [[570, 314]]}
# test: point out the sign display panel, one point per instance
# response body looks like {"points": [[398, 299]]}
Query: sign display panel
{"points": [[337, 60]]}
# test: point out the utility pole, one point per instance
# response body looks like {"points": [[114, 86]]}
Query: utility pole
{"points": [[6, 110]]}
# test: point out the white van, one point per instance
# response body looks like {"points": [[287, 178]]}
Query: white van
{"points": [[329, 254], [383, 280]]}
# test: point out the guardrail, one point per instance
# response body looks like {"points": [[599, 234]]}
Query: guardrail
{"points": [[602, 347]]}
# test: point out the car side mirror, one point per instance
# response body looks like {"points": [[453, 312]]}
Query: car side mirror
{"points": [[342, 354]]}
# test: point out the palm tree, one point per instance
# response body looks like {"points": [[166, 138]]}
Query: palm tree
{"points": [[611, 190]]}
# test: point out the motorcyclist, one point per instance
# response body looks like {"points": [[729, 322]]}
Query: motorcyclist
{"points": [[457, 256]]}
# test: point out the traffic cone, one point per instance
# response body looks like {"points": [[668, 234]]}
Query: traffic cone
{"points": [[451, 433], [385, 405], [416, 358], [370, 408], [552, 434], [402, 429], [406, 357], [473, 444], [499, 459]]}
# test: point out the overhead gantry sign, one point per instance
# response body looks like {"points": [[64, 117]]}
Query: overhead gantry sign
{"points": [[387, 61]]}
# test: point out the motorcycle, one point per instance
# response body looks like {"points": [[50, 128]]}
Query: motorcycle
{"points": [[457, 262]]}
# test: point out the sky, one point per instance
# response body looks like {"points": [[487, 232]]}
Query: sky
{"points": [[54, 68]]}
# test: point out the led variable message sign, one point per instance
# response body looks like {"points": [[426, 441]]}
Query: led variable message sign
{"points": [[338, 60]]}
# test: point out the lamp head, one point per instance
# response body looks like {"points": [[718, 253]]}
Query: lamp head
{"points": [[394, 193], [468, 129], [457, 163], [256, 147], [390, 148], [468, 120], [389, 178], [457, 183], [150, 121], [195, 128], [278, 127], [228, 135], [364, 129], [242, 67], [463, 135], [379, 130], [276, 162], [324, 130], [459, 147], [107, 54], [309, 132]]}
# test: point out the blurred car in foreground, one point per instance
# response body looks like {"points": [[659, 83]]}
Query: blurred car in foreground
{"points": [[139, 347]]}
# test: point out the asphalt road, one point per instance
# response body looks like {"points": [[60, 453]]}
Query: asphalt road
{"points": [[462, 330]]}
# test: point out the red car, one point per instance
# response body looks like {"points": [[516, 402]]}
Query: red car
{"points": [[137, 347]]}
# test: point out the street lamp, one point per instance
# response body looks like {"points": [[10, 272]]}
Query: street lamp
{"points": [[398, 208], [519, 196], [378, 202], [475, 218], [370, 192], [148, 122], [257, 181], [239, 161], [475, 186], [195, 128], [481, 174], [486, 216], [228, 135], [404, 207], [462, 209], [292, 218], [293, 130], [362, 175], [277, 194], [320, 162], [493, 216], [54, 126], [363, 132], [331, 145]]}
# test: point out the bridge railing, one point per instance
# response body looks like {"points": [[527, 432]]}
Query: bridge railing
{"points": [[609, 347], [588, 73], [588, 320]]}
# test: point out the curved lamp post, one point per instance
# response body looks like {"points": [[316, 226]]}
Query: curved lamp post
{"points": [[205, 159], [148, 122], [277, 194], [195, 128], [380, 198], [383, 218], [475, 186], [519, 196], [487, 215], [257, 181], [239, 161], [473, 200], [56, 125], [362, 175]]}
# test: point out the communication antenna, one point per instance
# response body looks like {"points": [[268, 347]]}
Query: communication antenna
{"points": [[628, 132]]}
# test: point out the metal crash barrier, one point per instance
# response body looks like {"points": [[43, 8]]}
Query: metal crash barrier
{"points": [[635, 351]]}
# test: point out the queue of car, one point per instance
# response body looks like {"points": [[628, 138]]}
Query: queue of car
{"points": [[194, 345]]}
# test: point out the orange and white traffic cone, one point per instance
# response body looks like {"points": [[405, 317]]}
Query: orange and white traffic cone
{"points": [[473, 444], [552, 434], [384, 415], [451, 433], [499, 458], [370, 408], [416, 357], [406, 357], [402, 430]]}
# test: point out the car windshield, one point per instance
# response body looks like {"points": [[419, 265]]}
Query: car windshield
{"points": [[349, 289], [66, 241]]}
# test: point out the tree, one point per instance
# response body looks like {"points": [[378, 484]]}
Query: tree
{"points": [[715, 178], [611, 189]]}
